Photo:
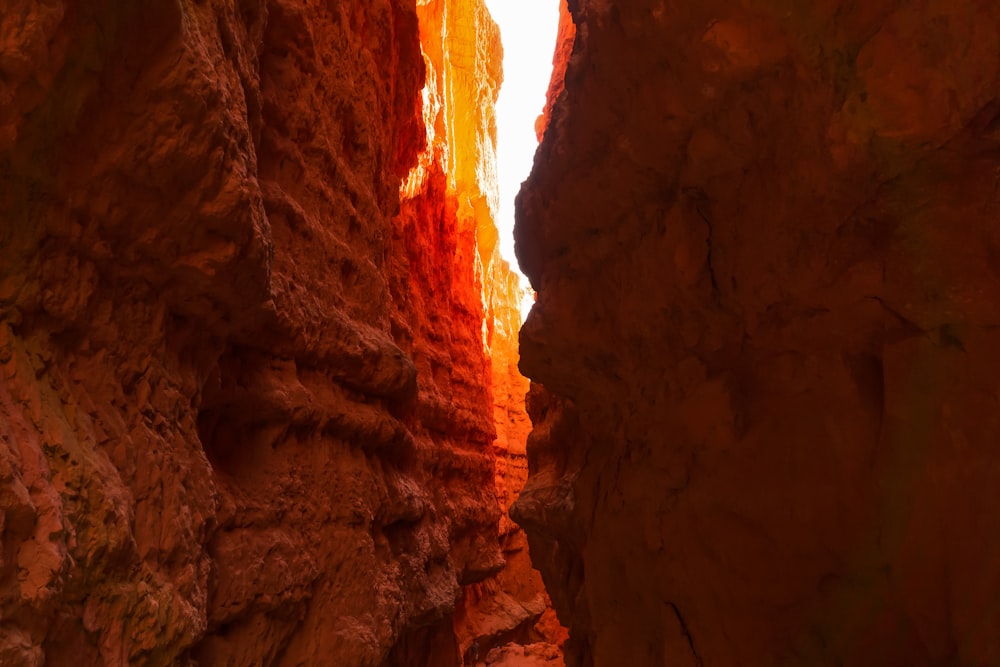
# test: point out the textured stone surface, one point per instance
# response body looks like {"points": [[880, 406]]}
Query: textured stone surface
{"points": [[245, 404], [462, 49], [764, 243], [532, 655], [513, 607]]}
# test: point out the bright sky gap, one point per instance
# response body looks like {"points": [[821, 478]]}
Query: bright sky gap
{"points": [[528, 30]]}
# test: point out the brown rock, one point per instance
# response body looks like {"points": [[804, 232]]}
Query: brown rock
{"points": [[245, 403], [762, 239]]}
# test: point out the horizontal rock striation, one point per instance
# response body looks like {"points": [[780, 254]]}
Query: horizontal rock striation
{"points": [[245, 404], [454, 191], [764, 244]]}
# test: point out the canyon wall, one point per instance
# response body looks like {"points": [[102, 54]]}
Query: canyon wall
{"points": [[246, 413], [452, 197], [763, 236]]}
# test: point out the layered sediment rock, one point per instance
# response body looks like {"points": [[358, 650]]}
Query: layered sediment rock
{"points": [[764, 244], [245, 406], [457, 174], [512, 607]]}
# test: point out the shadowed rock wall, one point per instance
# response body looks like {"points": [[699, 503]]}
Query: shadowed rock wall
{"points": [[763, 235]]}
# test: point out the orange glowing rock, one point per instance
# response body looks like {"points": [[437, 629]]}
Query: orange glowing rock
{"points": [[565, 38], [461, 47]]}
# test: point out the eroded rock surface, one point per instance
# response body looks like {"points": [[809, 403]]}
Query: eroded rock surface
{"points": [[457, 174], [763, 236], [513, 607], [245, 403]]}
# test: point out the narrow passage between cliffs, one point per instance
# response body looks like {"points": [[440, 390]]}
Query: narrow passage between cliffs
{"points": [[509, 620]]}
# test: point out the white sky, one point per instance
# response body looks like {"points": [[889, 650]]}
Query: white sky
{"points": [[528, 30]]}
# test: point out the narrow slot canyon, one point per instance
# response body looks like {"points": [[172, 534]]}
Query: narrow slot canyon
{"points": [[268, 396]]}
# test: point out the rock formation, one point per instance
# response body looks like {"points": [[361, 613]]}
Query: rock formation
{"points": [[246, 301], [513, 607], [763, 238], [565, 39], [455, 183]]}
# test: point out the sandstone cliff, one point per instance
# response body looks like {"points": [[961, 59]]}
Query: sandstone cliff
{"points": [[452, 194], [245, 403], [763, 236]]}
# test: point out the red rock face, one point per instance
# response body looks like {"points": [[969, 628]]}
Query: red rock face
{"points": [[245, 407], [512, 607], [453, 191], [565, 38], [763, 240]]}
